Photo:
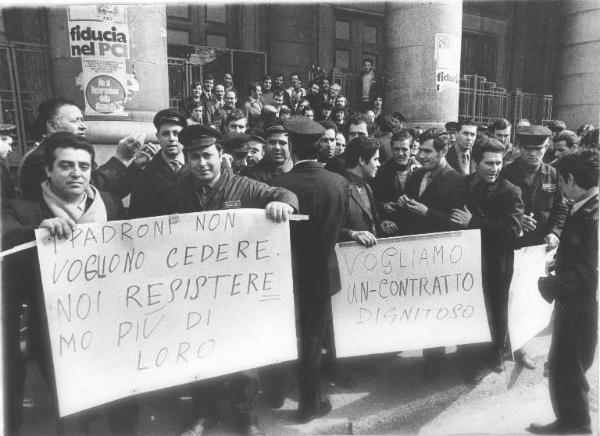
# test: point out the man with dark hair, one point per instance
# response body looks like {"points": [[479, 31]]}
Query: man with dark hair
{"points": [[368, 86], [267, 90], [564, 143], [574, 286], [187, 104], [228, 82], [391, 179], [590, 139], [253, 106], [452, 129], [296, 92], [315, 97], [324, 197], [384, 127], [66, 199], [327, 141], [555, 126], [118, 175], [278, 82], [358, 125], [154, 193], [278, 100], [459, 156], [324, 114], [545, 208], [278, 158], [501, 130], [236, 123], [207, 187], [324, 90], [493, 205]]}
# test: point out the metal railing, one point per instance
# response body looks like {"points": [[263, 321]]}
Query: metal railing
{"points": [[484, 102]]}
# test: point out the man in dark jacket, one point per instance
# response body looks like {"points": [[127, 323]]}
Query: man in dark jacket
{"points": [[324, 197], [459, 155], [545, 208], [206, 186], [154, 193], [66, 198], [573, 287], [493, 205]]}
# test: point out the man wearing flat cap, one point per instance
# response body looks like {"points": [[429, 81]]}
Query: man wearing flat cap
{"points": [[154, 192], [206, 186], [324, 196], [238, 148], [278, 158], [452, 129], [545, 208]]}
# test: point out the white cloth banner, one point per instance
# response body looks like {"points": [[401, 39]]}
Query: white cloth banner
{"points": [[528, 312], [410, 292], [139, 305]]}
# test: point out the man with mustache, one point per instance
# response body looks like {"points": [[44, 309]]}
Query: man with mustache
{"points": [[277, 159], [493, 205]]}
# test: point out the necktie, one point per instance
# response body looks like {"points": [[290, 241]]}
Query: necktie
{"points": [[466, 162], [175, 165], [424, 183]]}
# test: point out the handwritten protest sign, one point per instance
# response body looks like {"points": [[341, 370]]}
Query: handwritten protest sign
{"points": [[139, 305], [528, 312], [410, 293]]}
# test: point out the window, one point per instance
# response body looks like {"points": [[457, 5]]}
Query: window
{"points": [[370, 34], [342, 59], [217, 41], [478, 55], [216, 14], [178, 11], [342, 30]]}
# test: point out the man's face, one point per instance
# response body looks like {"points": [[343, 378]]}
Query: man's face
{"points": [[452, 135], [310, 114], [278, 147], [5, 145], [367, 66], [466, 137], [279, 82], [205, 164], [334, 91], [371, 115], [228, 80], [325, 113], [219, 92], [314, 88], [567, 186], [371, 166], [295, 81], [560, 149], [340, 143], [327, 144], [237, 127], [239, 161], [257, 92], [429, 157], [378, 103], [532, 154], [70, 173], [196, 91], [197, 113], [266, 84], [325, 86], [68, 119], [401, 151], [168, 138], [355, 130], [340, 102], [277, 101], [230, 99], [502, 135], [256, 152], [489, 167], [208, 85]]}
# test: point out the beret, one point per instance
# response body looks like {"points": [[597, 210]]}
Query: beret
{"points": [[301, 125]]}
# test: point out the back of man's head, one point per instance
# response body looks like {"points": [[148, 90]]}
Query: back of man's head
{"points": [[582, 166], [360, 147]]}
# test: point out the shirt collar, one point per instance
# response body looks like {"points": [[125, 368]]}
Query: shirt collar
{"points": [[179, 158], [589, 194], [355, 179]]}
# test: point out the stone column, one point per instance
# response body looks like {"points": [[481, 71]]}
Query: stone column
{"points": [[577, 88], [146, 68], [410, 76]]}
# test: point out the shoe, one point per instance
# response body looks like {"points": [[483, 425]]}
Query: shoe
{"points": [[523, 359], [497, 362], [557, 427], [254, 430], [305, 416]]}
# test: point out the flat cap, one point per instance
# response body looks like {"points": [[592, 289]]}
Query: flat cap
{"points": [[169, 116], [236, 144], [452, 126], [533, 135], [301, 125], [198, 136], [8, 129]]}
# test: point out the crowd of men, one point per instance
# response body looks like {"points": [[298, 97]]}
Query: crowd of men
{"points": [[359, 176]]}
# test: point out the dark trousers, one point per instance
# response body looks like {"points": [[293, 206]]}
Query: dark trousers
{"points": [[571, 355], [14, 364], [239, 391], [314, 321]]}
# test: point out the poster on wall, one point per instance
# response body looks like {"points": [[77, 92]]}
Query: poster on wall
{"points": [[99, 36], [447, 62]]}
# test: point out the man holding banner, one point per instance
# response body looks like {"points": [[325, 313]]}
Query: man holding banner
{"points": [[65, 199], [206, 186], [573, 287], [493, 205]]}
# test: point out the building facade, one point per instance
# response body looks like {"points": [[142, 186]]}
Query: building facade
{"points": [[437, 61]]}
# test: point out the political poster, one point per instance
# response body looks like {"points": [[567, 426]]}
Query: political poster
{"points": [[528, 312], [447, 62], [408, 293], [139, 305]]}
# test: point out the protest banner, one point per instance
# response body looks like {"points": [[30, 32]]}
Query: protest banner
{"points": [[139, 305], [528, 312], [408, 293]]}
